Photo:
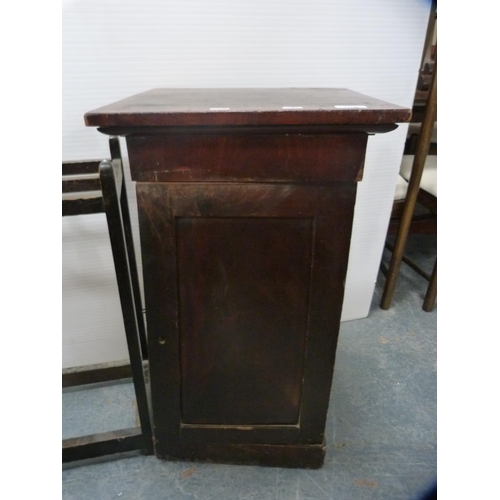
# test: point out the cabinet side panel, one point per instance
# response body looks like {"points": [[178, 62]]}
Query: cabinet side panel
{"points": [[332, 238]]}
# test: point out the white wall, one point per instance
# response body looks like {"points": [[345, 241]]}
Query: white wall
{"points": [[113, 49]]}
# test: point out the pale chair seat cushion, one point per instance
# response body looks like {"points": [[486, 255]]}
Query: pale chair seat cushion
{"points": [[429, 175]]}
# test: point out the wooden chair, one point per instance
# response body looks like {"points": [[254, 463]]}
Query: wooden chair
{"points": [[94, 187], [412, 139], [420, 172], [427, 197], [421, 224], [424, 220]]}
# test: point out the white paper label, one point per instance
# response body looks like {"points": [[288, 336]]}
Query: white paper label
{"points": [[351, 106]]}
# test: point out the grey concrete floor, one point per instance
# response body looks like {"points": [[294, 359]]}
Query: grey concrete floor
{"points": [[381, 427]]}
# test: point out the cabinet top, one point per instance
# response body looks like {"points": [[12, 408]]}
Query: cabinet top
{"points": [[292, 106]]}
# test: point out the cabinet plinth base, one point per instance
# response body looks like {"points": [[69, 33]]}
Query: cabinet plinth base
{"points": [[307, 456]]}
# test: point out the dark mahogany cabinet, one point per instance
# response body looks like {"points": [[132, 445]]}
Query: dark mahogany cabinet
{"points": [[246, 200]]}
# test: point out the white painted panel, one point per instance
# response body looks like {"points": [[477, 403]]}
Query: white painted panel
{"points": [[92, 325], [112, 49]]}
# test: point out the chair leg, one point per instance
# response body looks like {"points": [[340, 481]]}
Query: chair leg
{"points": [[122, 260], [430, 296]]}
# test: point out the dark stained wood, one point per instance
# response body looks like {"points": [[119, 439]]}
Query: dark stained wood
{"points": [[82, 206], [308, 227], [104, 443], [410, 263], [291, 456], [249, 434], [246, 199], [293, 106], [430, 296], [332, 241], [81, 177], [157, 229], [82, 184], [352, 128], [411, 146], [245, 217], [113, 202], [428, 200], [425, 223], [420, 224], [245, 303], [412, 193], [80, 167], [248, 157], [111, 182], [95, 376], [116, 155]]}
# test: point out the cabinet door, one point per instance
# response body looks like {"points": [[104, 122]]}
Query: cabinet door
{"points": [[244, 286]]}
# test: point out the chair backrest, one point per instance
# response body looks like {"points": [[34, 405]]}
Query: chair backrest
{"points": [[98, 186], [81, 181], [90, 187]]}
